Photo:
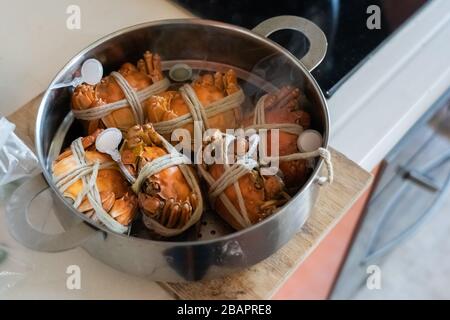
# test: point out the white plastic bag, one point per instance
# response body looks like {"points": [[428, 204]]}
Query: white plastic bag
{"points": [[16, 159]]}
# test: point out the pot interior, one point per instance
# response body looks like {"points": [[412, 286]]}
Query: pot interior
{"points": [[182, 41]]}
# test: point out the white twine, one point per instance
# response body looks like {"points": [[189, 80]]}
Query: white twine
{"points": [[157, 165], [132, 99], [320, 152], [231, 176], [259, 122], [198, 113], [173, 158], [88, 175]]}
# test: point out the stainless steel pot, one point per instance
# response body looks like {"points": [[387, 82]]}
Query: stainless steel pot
{"points": [[257, 59]]}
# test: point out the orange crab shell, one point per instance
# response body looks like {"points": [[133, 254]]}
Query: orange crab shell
{"points": [[282, 107], [116, 196], [166, 196], [262, 196], [208, 88], [107, 91]]}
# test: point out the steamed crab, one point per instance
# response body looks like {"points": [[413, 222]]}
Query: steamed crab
{"points": [[165, 196], [262, 194], [116, 197], [85, 96], [284, 107], [209, 88]]}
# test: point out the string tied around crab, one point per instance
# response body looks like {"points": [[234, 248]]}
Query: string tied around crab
{"points": [[232, 173], [133, 99], [259, 122], [87, 173], [199, 114], [172, 158]]}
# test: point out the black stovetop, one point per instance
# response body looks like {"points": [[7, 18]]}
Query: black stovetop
{"points": [[343, 21]]}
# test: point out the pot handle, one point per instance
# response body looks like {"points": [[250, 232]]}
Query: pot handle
{"points": [[317, 40], [21, 229]]}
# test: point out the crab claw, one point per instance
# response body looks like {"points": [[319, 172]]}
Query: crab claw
{"points": [[166, 106], [143, 135], [151, 65], [169, 213], [273, 186], [210, 88], [230, 82], [284, 107], [124, 209], [165, 197], [83, 96]]}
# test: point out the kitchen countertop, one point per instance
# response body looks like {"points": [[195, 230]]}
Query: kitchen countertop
{"points": [[387, 94]]}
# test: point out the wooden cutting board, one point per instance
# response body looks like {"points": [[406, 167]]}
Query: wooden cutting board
{"points": [[262, 280]]}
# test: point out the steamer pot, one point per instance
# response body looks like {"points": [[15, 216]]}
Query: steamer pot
{"points": [[212, 45]]}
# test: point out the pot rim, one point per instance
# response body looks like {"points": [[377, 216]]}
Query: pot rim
{"points": [[206, 23]]}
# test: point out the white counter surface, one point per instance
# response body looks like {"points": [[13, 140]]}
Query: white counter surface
{"points": [[394, 88], [36, 43], [369, 113]]}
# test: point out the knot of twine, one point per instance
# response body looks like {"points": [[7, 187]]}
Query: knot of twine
{"points": [[173, 158], [326, 156], [88, 174], [199, 114], [132, 98], [259, 122]]}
